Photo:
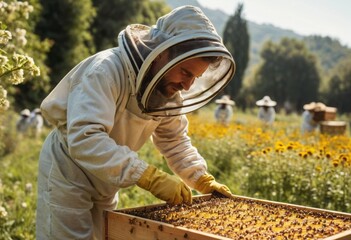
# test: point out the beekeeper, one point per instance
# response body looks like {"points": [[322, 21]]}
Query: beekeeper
{"points": [[266, 111], [108, 106], [22, 123], [309, 122], [36, 122], [224, 110]]}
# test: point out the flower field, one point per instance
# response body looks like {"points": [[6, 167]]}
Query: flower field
{"points": [[267, 162], [278, 162]]}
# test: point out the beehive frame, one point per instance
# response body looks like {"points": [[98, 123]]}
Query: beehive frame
{"points": [[123, 226]]}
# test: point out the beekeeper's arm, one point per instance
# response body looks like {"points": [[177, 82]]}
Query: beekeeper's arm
{"points": [[90, 118], [183, 159]]}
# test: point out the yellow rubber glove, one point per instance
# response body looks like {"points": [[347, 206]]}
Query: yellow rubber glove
{"points": [[208, 184], [165, 186]]}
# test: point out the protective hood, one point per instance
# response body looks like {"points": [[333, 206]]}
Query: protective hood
{"points": [[183, 34]]}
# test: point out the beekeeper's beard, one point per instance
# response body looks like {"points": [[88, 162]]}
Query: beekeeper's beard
{"points": [[158, 100]]}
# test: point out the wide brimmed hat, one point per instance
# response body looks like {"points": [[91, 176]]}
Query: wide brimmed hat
{"points": [[225, 99], [25, 112], [37, 111], [266, 101], [317, 107]]}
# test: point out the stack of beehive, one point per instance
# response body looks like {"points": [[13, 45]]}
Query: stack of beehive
{"points": [[329, 124]]}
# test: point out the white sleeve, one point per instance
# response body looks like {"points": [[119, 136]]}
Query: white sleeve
{"points": [[173, 142], [271, 115], [91, 111]]}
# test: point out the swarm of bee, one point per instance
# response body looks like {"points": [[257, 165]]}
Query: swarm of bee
{"points": [[249, 219]]}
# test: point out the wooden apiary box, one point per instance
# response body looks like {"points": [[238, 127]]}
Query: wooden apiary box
{"points": [[328, 114], [241, 222], [333, 127]]}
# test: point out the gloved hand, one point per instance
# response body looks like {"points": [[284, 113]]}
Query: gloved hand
{"points": [[165, 186], [208, 184]]}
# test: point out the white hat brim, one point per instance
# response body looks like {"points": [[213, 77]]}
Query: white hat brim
{"points": [[221, 101], [262, 103]]}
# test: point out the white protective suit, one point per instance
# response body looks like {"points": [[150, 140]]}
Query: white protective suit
{"points": [[308, 124], [103, 113], [36, 122], [224, 114], [266, 115], [23, 122]]}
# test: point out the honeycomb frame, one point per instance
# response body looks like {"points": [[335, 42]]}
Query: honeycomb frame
{"points": [[161, 221]]}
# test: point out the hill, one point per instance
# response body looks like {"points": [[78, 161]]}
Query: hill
{"points": [[328, 51]]}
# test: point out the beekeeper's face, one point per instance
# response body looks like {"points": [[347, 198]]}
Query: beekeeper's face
{"points": [[182, 76]]}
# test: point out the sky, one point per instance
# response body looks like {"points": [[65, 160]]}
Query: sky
{"points": [[306, 17]]}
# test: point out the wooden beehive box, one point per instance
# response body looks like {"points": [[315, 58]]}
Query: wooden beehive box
{"points": [[125, 224], [333, 127], [328, 114]]}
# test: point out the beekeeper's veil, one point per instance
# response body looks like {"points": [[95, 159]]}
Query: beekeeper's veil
{"points": [[183, 34]]}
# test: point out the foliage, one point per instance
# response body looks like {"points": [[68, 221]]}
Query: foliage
{"points": [[66, 23], [29, 93], [8, 138], [236, 39], [18, 191], [339, 89], [329, 51], [286, 67], [78, 29], [15, 64], [106, 27]]}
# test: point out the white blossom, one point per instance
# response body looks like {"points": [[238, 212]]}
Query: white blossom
{"points": [[3, 92], [3, 5], [4, 104], [3, 212], [5, 36], [29, 187], [13, 66], [3, 60], [21, 36], [17, 77]]}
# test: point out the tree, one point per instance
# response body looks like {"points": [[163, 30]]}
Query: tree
{"points": [[31, 93], [339, 88], [17, 43], [329, 51], [288, 73], [236, 39], [107, 26], [17, 66], [66, 23]]}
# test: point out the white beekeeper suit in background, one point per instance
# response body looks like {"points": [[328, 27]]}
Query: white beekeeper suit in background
{"points": [[108, 106], [309, 123], [23, 122], [224, 110], [36, 122], [266, 112]]}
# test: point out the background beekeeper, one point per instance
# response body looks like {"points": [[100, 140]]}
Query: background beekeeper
{"points": [[36, 122], [224, 110], [108, 106], [266, 112], [309, 121], [22, 123]]}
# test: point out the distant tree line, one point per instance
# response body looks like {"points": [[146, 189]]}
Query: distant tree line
{"points": [[288, 71]]}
